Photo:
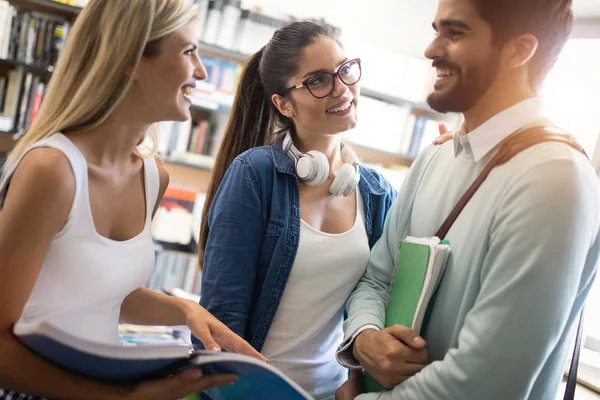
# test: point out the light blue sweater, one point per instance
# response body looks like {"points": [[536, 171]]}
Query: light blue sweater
{"points": [[524, 254]]}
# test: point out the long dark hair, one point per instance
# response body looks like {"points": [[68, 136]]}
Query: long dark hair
{"points": [[254, 119]]}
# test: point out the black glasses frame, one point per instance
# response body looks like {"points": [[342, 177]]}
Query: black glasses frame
{"points": [[334, 75]]}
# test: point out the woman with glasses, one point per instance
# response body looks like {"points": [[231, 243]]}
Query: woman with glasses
{"points": [[287, 227]]}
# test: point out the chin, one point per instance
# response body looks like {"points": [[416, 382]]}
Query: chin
{"points": [[182, 115], [449, 101]]}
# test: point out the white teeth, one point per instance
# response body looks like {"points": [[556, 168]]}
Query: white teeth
{"points": [[444, 72], [342, 107], [187, 91]]}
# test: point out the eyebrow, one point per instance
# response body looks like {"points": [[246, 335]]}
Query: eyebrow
{"points": [[322, 70], [452, 23]]}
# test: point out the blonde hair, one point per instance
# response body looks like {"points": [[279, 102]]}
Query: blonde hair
{"points": [[108, 38]]}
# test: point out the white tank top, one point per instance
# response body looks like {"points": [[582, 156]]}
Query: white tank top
{"points": [[307, 328], [85, 277]]}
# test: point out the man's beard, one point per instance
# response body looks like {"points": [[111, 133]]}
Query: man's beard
{"points": [[467, 90]]}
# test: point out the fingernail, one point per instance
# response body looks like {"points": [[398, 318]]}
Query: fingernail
{"points": [[419, 340], [217, 349]]}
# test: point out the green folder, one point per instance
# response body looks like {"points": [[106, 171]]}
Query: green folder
{"points": [[409, 277]]}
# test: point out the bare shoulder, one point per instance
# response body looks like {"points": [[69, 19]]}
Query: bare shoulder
{"points": [[44, 174]]}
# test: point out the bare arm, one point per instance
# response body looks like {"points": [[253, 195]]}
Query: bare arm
{"points": [[36, 208]]}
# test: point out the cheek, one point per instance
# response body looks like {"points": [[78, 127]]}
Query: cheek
{"points": [[309, 110]]}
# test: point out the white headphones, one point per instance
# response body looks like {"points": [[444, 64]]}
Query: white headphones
{"points": [[313, 168]]}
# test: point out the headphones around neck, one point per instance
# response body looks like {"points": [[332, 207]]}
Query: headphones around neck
{"points": [[313, 168]]}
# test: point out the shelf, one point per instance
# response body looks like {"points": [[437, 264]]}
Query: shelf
{"points": [[365, 154], [192, 160], [190, 249], [30, 67], [47, 6], [369, 155], [219, 52], [418, 108]]}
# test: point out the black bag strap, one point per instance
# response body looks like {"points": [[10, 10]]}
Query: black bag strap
{"points": [[572, 377]]}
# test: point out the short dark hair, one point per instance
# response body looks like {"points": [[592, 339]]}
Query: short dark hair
{"points": [[550, 21]]}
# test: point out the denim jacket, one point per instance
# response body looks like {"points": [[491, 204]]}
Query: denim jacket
{"points": [[254, 235]]}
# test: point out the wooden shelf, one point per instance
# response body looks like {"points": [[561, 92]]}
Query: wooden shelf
{"points": [[47, 6], [418, 108], [219, 52], [42, 69], [370, 155], [189, 175]]}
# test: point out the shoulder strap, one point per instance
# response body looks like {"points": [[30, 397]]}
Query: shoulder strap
{"points": [[510, 147], [572, 377]]}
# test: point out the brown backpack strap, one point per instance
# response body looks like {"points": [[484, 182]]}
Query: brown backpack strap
{"points": [[509, 147]]}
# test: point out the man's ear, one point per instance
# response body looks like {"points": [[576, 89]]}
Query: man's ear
{"points": [[522, 49], [283, 105]]}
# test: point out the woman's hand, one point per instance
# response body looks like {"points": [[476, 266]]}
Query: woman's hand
{"points": [[351, 388], [214, 334], [177, 386], [445, 134]]}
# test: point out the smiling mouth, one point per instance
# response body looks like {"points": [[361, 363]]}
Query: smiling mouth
{"points": [[187, 92], [445, 73], [339, 108]]}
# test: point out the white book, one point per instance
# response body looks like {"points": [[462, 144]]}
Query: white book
{"points": [[5, 22], [438, 255]]}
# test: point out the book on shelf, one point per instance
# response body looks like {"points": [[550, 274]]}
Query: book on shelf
{"points": [[419, 268], [31, 37], [129, 364], [175, 273]]}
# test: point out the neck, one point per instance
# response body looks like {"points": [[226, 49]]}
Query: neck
{"points": [[330, 145], [113, 141], [499, 97]]}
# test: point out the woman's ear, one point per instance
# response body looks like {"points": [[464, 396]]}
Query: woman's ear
{"points": [[134, 73], [283, 105]]}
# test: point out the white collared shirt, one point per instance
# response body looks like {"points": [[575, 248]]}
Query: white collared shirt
{"points": [[485, 137]]}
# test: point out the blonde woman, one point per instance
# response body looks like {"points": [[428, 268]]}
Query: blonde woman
{"points": [[78, 194]]}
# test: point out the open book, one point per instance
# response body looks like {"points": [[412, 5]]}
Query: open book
{"points": [[419, 267], [128, 364]]}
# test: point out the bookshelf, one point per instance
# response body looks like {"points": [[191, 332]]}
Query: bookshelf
{"points": [[47, 6], [208, 104], [40, 69]]}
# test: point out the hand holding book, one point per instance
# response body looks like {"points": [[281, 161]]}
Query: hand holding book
{"points": [[391, 355]]}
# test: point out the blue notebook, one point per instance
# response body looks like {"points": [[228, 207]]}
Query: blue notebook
{"points": [[129, 364]]}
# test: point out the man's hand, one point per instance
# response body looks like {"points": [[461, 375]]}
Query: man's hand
{"points": [[351, 388], [392, 355]]}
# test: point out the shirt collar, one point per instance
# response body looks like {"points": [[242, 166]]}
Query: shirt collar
{"points": [[485, 137]]}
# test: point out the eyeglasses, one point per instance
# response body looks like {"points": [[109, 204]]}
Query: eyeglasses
{"points": [[323, 84]]}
